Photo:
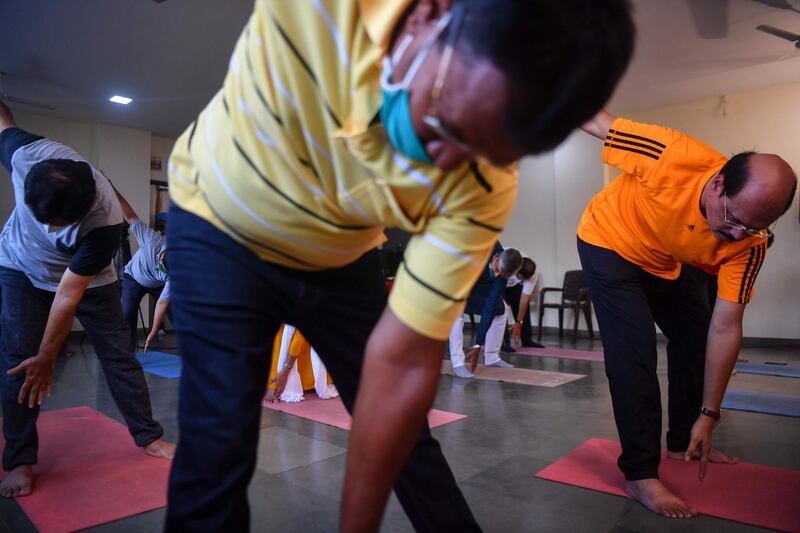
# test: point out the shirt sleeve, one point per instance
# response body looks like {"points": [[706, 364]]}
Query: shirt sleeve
{"points": [[737, 276], [144, 234], [648, 151], [165, 293], [12, 139], [528, 285], [442, 263], [96, 250]]}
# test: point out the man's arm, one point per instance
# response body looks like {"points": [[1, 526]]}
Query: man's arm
{"points": [[6, 117], [599, 124], [158, 318], [127, 211], [407, 363], [722, 349], [39, 369]]}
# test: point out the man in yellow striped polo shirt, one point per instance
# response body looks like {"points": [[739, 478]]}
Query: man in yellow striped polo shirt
{"points": [[338, 118]]}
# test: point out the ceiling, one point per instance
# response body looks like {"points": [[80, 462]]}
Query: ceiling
{"points": [[171, 56]]}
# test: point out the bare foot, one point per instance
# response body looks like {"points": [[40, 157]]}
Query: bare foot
{"points": [[715, 456], [18, 482], [655, 496], [160, 449]]}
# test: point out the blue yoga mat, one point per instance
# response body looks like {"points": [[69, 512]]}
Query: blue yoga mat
{"points": [[161, 364], [762, 402], [789, 371]]}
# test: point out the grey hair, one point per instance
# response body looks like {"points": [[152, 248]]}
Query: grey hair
{"points": [[509, 262]]}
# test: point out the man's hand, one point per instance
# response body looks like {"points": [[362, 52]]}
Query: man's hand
{"points": [[279, 380], [700, 443], [472, 357], [516, 331], [153, 335], [38, 379]]}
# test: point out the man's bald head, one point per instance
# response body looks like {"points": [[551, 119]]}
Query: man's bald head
{"points": [[761, 185]]}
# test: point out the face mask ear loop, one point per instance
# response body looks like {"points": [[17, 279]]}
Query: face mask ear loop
{"points": [[417, 62]]}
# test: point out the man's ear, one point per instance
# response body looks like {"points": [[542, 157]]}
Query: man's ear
{"points": [[718, 184], [423, 12]]}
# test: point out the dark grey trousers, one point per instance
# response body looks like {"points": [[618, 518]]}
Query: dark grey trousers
{"points": [[24, 310]]}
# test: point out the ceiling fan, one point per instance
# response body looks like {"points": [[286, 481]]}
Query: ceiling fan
{"points": [[794, 38], [24, 101], [711, 16]]}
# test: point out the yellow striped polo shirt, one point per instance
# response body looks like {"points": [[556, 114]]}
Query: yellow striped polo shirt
{"points": [[287, 160]]}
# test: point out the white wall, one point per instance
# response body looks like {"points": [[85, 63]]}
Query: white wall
{"points": [[556, 187], [123, 154]]}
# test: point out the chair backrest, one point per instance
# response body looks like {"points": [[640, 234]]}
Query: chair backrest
{"points": [[573, 283]]}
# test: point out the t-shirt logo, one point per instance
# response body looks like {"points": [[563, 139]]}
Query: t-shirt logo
{"points": [[690, 227]]}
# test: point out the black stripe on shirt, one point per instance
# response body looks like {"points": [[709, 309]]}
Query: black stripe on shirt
{"points": [[191, 135], [289, 199], [633, 143], [253, 242], [311, 167], [627, 149], [762, 253], [743, 285], [307, 68], [429, 287], [258, 90], [484, 225], [638, 137]]}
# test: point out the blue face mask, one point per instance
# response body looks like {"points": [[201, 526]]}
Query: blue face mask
{"points": [[396, 108]]}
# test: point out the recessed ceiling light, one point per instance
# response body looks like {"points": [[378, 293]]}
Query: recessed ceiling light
{"points": [[124, 100]]}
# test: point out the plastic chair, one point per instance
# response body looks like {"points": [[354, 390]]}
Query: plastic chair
{"points": [[575, 296]]}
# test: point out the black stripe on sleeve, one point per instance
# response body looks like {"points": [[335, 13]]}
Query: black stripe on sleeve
{"points": [[638, 137], [484, 225], [311, 167], [632, 143], [225, 105], [743, 285], [761, 254], [290, 200], [627, 149], [307, 68], [429, 287], [476, 173]]}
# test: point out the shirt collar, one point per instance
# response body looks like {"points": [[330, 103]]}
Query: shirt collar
{"points": [[380, 18]]}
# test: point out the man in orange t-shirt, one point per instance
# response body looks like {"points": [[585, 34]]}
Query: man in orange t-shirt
{"points": [[677, 201]]}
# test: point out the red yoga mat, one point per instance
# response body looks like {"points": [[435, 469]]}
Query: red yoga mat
{"points": [[333, 412], [754, 494], [90, 472], [560, 353]]}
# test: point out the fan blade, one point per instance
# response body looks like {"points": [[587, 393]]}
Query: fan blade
{"points": [[25, 101], [710, 18], [777, 32], [780, 4]]}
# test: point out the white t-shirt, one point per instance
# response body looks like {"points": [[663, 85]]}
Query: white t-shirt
{"points": [[527, 285]]}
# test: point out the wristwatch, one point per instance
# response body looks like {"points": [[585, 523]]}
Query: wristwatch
{"points": [[711, 414]]}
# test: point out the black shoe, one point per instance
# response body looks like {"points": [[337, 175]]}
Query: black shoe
{"points": [[507, 348], [532, 344]]}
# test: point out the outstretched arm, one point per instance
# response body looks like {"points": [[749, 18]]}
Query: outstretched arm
{"points": [[127, 211], [6, 118], [599, 124]]}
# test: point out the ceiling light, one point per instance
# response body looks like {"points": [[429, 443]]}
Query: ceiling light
{"points": [[124, 100]]}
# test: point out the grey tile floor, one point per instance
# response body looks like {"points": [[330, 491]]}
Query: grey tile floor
{"points": [[511, 432]]}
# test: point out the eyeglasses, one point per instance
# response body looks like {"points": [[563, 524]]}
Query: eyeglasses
{"points": [[431, 118], [760, 233]]}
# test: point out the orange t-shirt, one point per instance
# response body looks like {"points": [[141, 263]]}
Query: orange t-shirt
{"points": [[650, 214]]}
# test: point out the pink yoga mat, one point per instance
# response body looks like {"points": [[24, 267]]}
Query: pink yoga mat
{"points": [[90, 472], [560, 353], [333, 412], [754, 494]]}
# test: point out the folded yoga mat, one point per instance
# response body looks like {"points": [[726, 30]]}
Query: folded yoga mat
{"points": [[754, 494], [161, 364], [90, 472], [789, 371], [333, 412], [762, 402], [521, 376], [560, 353]]}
